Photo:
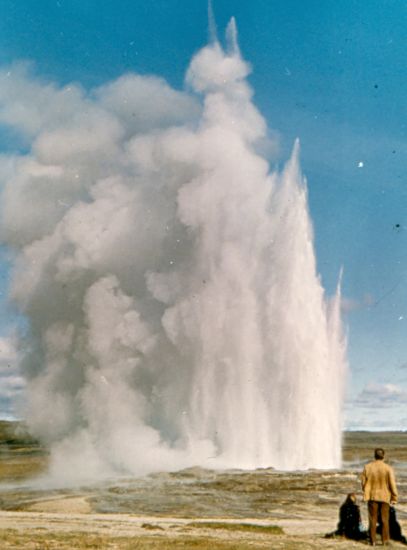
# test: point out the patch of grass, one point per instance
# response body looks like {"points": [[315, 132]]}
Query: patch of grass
{"points": [[151, 527], [21, 455], [11, 539], [246, 527], [13, 469]]}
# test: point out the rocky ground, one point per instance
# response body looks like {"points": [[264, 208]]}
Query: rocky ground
{"points": [[194, 508]]}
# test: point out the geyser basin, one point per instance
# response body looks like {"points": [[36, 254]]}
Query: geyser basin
{"points": [[176, 316]]}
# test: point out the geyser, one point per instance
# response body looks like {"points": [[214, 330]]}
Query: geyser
{"points": [[175, 313]]}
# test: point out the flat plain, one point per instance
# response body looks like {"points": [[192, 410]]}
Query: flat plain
{"points": [[193, 508]]}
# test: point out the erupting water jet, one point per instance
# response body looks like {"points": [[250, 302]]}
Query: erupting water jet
{"points": [[169, 279]]}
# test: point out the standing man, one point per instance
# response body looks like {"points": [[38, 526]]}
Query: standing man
{"points": [[379, 491]]}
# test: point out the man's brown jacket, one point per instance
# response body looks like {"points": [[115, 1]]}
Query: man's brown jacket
{"points": [[378, 482]]}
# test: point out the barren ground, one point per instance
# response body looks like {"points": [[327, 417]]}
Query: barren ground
{"points": [[194, 508]]}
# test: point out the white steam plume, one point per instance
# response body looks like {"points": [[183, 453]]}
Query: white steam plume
{"points": [[176, 316]]}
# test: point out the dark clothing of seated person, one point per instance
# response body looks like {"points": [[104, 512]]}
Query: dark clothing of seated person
{"points": [[349, 525], [394, 527]]}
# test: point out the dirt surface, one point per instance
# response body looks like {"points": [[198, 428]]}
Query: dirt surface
{"points": [[55, 518], [297, 533], [194, 508]]}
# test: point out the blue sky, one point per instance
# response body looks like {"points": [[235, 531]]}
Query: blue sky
{"points": [[331, 73]]}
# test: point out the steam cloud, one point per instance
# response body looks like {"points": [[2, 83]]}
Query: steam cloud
{"points": [[169, 278]]}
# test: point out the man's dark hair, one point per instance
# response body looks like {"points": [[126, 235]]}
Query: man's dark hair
{"points": [[379, 454]]}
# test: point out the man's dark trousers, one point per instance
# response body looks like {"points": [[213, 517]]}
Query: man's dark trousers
{"points": [[375, 508]]}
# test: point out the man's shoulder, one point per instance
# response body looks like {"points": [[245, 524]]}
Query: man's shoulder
{"points": [[379, 465], [388, 467], [370, 465]]}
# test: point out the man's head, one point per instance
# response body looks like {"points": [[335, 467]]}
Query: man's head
{"points": [[379, 454]]}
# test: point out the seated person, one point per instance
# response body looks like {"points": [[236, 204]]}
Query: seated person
{"points": [[394, 527], [349, 525]]}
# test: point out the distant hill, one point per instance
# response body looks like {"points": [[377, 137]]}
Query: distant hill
{"points": [[15, 434]]}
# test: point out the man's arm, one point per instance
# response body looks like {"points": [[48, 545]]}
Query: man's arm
{"points": [[363, 477], [392, 487]]}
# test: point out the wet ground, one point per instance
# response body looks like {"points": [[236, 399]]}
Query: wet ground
{"points": [[303, 504]]}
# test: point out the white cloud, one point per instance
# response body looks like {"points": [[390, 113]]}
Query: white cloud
{"points": [[8, 351], [378, 406], [370, 422], [11, 382], [376, 395]]}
